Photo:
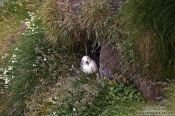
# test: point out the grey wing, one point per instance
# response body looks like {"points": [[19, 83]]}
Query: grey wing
{"points": [[81, 64]]}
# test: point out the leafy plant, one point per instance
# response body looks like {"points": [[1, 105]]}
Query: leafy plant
{"points": [[115, 99]]}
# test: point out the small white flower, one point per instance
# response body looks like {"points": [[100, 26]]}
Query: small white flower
{"points": [[10, 68], [6, 81], [34, 65], [16, 49], [13, 61], [5, 72], [14, 56], [27, 23], [6, 55], [74, 109], [45, 59], [1, 69], [54, 113], [20, 4], [51, 100], [3, 57], [58, 84]]}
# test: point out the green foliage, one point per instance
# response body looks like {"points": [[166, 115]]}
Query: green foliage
{"points": [[22, 78], [64, 97], [115, 99], [83, 95], [124, 93], [73, 93], [53, 63], [23, 68], [155, 17]]}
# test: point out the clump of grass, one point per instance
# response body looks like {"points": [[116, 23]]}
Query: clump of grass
{"points": [[59, 28], [74, 26], [15, 9], [154, 21], [18, 9], [11, 14]]}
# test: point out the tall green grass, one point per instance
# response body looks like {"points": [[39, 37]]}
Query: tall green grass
{"points": [[157, 17]]}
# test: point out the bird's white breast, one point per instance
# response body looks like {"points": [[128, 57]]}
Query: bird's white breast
{"points": [[89, 68]]}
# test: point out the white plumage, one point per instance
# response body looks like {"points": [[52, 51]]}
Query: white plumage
{"points": [[88, 65]]}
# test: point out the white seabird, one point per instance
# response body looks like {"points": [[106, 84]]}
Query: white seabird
{"points": [[88, 65]]}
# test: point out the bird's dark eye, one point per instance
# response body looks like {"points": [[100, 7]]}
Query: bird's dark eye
{"points": [[87, 62]]}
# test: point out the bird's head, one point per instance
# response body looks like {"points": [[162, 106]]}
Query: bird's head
{"points": [[86, 60]]}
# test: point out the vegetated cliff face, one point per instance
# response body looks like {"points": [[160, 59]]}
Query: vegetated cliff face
{"points": [[110, 59], [75, 5], [111, 62]]}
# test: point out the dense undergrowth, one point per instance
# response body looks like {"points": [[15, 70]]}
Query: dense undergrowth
{"points": [[12, 18], [75, 25], [153, 27], [35, 66], [19, 65], [40, 78]]}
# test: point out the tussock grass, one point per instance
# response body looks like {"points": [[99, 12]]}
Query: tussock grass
{"points": [[154, 22], [71, 26]]}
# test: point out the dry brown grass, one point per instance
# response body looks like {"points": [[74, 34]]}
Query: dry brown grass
{"points": [[73, 24], [157, 17], [145, 46], [10, 32]]}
